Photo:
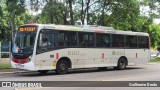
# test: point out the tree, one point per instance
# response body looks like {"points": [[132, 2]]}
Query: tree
{"points": [[71, 11], [14, 8], [53, 12]]}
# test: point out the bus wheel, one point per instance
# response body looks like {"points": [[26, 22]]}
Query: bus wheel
{"points": [[43, 71], [62, 67], [122, 63]]}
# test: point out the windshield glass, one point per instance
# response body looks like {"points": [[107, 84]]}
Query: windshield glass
{"points": [[23, 43], [24, 40]]}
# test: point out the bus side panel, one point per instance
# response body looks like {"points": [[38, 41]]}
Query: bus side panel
{"points": [[142, 56], [116, 54], [131, 55], [45, 61], [88, 55], [102, 57], [76, 56]]}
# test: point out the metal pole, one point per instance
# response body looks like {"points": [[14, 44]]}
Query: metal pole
{"points": [[0, 51], [9, 51]]}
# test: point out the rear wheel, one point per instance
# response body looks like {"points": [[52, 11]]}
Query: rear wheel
{"points": [[62, 67], [122, 63]]}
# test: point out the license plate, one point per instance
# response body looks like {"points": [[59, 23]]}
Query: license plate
{"points": [[19, 65]]}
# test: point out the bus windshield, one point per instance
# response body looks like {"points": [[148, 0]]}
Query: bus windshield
{"points": [[23, 43]]}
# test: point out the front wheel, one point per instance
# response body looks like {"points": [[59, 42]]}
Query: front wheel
{"points": [[62, 67], [122, 63]]}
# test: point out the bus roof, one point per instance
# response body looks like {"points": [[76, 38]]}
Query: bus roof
{"points": [[87, 28]]}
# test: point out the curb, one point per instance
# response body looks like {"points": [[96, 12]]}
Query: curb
{"points": [[152, 63], [10, 71]]}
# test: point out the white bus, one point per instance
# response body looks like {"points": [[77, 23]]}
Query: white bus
{"points": [[42, 47]]}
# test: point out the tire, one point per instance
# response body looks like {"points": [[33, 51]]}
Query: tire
{"points": [[62, 67], [122, 63], [43, 71]]}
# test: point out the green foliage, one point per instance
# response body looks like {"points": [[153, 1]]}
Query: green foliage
{"points": [[5, 66], [52, 13], [15, 8], [154, 32], [125, 14], [155, 60]]}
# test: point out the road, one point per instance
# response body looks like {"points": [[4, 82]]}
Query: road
{"points": [[148, 72]]}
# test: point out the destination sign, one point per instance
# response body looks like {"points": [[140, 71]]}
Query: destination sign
{"points": [[27, 29]]}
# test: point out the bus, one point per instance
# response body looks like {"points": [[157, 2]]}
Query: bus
{"points": [[44, 47]]}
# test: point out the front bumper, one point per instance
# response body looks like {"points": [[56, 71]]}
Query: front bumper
{"points": [[27, 66]]}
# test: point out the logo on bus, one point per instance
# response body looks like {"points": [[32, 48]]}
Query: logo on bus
{"points": [[117, 52]]}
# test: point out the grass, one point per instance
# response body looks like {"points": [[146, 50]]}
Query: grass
{"points": [[5, 66], [155, 60]]}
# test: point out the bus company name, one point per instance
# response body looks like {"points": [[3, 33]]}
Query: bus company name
{"points": [[14, 84], [117, 52]]}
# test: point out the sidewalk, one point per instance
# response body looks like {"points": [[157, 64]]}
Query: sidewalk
{"points": [[152, 63], [5, 61], [7, 71]]}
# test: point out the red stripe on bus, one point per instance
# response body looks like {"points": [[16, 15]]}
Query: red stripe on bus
{"points": [[21, 61], [102, 55], [99, 31], [57, 55]]}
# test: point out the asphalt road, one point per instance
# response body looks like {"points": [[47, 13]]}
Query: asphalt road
{"points": [[148, 72]]}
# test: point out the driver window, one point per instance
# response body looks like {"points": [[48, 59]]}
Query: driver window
{"points": [[46, 42]]}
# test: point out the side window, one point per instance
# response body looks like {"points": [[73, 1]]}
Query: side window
{"points": [[51, 40], [83, 39], [86, 39], [131, 42], [91, 40], [42, 40], [102, 40], [61, 39], [71, 38], [46, 41], [117, 40], [67, 38], [143, 41]]}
